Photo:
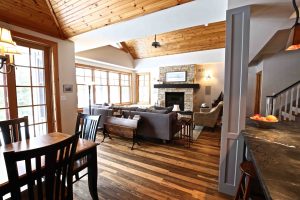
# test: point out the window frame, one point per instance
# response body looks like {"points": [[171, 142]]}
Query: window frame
{"points": [[138, 87], [107, 71]]}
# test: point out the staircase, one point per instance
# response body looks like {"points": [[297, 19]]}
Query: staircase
{"points": [[285, 105]]}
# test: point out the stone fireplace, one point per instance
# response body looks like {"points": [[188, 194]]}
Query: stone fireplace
{"points": [[188, 94]]}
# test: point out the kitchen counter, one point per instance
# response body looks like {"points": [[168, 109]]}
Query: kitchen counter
{"points": [[276, 156]]}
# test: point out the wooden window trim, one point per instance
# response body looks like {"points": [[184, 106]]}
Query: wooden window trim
{"points": [[53, 47], [137, 87], [93, 68]]}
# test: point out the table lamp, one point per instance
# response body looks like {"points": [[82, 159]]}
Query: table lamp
{"points": [[176, 108]]}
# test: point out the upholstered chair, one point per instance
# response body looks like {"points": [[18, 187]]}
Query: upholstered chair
{"points": [[208, 119]]}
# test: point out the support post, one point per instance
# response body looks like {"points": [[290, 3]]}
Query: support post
{"points": [[236, 80]]}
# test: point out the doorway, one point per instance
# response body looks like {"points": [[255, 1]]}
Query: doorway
{"points": [[258, 93]]}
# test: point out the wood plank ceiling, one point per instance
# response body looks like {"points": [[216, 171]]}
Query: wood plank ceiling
{"points": [[31, 14], [67, 18], [79, 16], [196, 38]]}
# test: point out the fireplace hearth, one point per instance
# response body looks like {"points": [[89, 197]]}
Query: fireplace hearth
{"points": [[172, 98]]}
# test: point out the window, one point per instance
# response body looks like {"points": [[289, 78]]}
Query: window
{"points": [[125, 87], [101, 87], [26, 91], [114, 87], [108, 86], [83, 78], [143, 81]]}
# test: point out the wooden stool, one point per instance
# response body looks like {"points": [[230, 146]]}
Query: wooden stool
{"points": [[248, 172]]}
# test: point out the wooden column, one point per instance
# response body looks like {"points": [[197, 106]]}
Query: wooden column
{"points": [[236, 80]]}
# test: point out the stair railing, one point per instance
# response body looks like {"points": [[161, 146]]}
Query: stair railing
{"points": [[284, 104]]}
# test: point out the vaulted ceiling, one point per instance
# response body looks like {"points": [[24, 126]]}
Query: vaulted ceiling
{"points": [[31, 14], [64, 19], [196, 38]]}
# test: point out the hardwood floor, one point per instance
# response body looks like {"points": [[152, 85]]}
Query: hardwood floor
{"points": [[156, 171]]}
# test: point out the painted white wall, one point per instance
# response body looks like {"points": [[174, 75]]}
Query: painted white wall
{"points": [[216, 81], [194, 13], [267, 17], [209, 56], [108, 54], [66, 64], [279, 72]]}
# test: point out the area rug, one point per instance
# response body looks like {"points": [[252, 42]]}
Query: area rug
{"points": [[197, 131]]}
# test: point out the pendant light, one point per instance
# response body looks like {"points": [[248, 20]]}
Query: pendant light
{"points": [[294, 37], [155, 43]]}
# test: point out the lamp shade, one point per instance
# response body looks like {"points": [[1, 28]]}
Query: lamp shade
{"points": [[176, 108], [5, 38], [294, 38]]}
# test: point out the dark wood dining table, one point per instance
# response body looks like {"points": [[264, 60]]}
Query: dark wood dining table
{"points": [[84, 148]]}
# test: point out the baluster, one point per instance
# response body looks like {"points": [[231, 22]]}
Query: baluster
{"points": [[297, 99], [274, 106], [285, 105], [280, 108], [291, 105]]}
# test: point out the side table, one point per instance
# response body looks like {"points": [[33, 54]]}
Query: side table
{"points": [[186, 130]]}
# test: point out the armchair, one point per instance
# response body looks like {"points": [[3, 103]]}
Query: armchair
{"points": [[210, 118]]}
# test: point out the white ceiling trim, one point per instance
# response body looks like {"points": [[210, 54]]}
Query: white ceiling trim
{"points": [[190, 14]]}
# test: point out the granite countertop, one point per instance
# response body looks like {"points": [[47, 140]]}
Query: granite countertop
{"points": [[276, 155]]}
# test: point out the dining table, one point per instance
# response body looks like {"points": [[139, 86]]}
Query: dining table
{"points": [[85, 148]]}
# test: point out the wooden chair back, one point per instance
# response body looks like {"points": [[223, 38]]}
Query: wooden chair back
{"points": [[87, 125], [45, 171], [12, 130]]}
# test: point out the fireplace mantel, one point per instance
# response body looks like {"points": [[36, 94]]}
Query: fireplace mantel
{"points": [[186, 85]]}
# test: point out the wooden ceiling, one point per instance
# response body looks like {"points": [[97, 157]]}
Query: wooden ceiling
{"points": [[67, 18], [196, 38], [31, 14], [79, 16]]}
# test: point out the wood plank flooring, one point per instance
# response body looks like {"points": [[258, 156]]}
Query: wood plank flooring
{"points": [[156, 171]]}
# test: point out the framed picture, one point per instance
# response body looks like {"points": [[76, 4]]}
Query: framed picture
{"points": [[67, 88], [176, 76]]}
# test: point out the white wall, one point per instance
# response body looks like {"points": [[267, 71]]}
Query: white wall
{"points": [[279, 72], [267, 17], [216, 81], [208, 56], [108, 54], [66, 64]]}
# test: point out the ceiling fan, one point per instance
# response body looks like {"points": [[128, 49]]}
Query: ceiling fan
{"points": [[155, 44]]}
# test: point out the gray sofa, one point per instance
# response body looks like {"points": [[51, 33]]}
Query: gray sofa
{"points": [[155, 125], [152, 125]]}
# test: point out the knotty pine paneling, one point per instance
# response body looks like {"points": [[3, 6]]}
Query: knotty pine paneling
{"points": [[33, 15], [79, 16], [196, 38]]}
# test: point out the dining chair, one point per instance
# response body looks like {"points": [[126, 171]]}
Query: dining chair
{"points": [[47, 171], [87, 126], [14, 130]]}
